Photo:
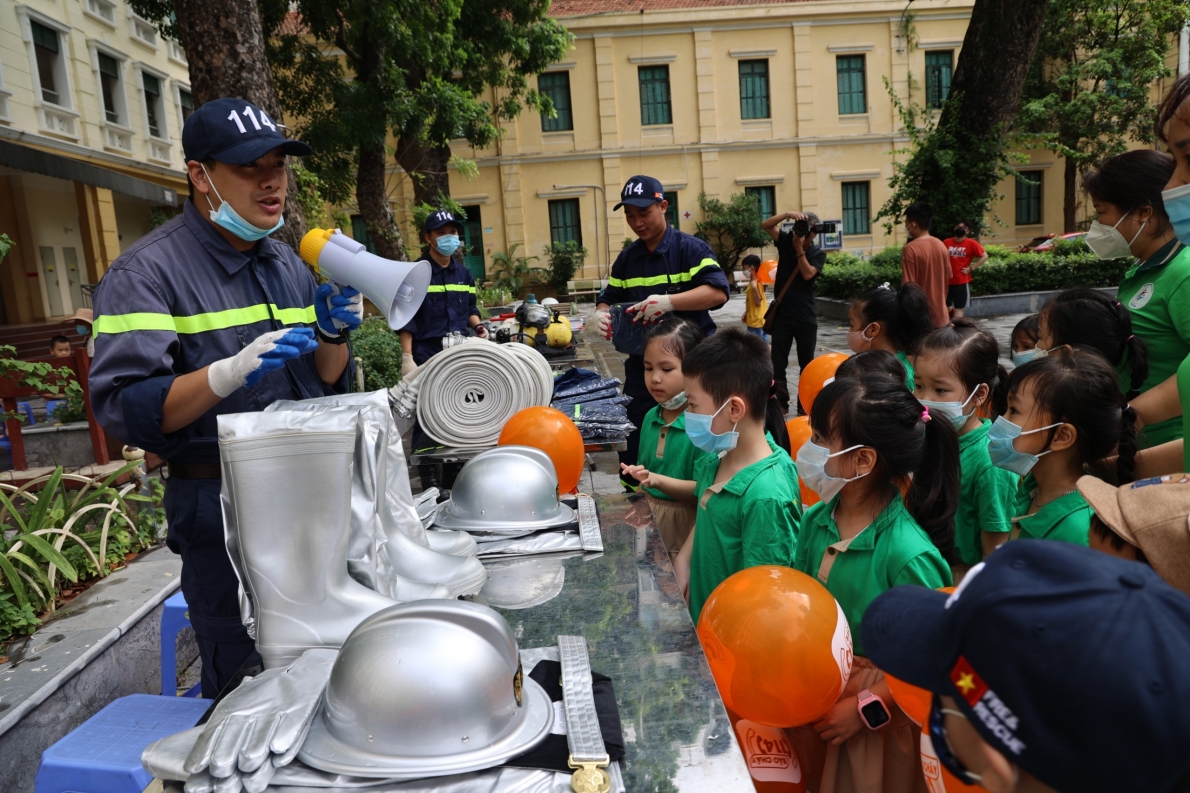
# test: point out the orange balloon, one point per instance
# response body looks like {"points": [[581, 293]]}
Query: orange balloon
{"points": [[767, 273], [938, 779], [799, 431], [778, 644], [913, 700], [813, 378], [552, 431], [771, 757]]}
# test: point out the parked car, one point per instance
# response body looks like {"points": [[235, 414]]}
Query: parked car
{"points": [[1046, 242]]}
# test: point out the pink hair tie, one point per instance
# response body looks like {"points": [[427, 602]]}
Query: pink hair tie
{"points": [[1130, 338], [925, 415]]}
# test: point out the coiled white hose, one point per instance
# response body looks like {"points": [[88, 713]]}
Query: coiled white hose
{"points": [[465, 394]]}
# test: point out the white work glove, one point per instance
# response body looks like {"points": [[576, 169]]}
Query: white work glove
{"points": [[408, 367], [260, 726], [651, 308], [268, 352], [604, 321]]}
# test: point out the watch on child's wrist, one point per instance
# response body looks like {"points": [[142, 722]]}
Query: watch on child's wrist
{"points": [[872, 710]]}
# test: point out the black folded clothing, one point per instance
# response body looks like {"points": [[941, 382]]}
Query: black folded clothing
{"points": [[553, 752]]}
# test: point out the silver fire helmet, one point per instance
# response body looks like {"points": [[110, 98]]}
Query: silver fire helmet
{"points": [[427, 688], [509, 488]]}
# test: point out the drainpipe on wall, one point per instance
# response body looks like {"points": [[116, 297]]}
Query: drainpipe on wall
{"points": [[1184, 52]]}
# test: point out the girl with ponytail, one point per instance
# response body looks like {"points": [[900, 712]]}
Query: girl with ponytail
{"points": [[1065, 412], [1089, 318], [870, 438], [883, 318], [958, 373]]}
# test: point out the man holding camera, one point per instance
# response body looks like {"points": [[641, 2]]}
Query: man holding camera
{"points": [[799, 261]]}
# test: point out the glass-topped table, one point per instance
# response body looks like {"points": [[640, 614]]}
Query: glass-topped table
{"points": [[626, 603]]}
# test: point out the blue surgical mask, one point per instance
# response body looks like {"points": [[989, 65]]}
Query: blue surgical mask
{"points": [[227, 218], [1177, 207], [82, 330], [811, 469], [1002, 448], [952, 410], [447, 244], [698, 430], [1023, 357]]}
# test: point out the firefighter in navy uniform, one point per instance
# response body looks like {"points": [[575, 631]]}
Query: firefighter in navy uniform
{"points": [[450, 307], [206, 315], [664, 271]]}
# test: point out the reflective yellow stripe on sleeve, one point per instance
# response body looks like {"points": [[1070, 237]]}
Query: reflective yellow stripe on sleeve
{"points": [[201, 323], [657, 280], [450, 288]]}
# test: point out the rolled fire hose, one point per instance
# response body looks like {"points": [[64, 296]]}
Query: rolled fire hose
{"points": [[545, 375], [465, 394]]}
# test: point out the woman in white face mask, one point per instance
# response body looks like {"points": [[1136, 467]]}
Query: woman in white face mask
{"points": [[1126, 191]]}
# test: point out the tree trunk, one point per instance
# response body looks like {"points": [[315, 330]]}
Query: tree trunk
{"points": [[997, 53], [372, 197], [224, 43], [427, 167], [1069, 194]]}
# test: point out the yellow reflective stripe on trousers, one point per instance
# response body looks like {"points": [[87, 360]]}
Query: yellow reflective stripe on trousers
{"points": [[201, 323], [657, 280], [450, 288]]}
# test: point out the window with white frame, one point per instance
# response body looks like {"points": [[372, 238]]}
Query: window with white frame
{"points": [[111, 89], [144, 32], [176, 52], [154, 106], [47, 49], [102, 9]]}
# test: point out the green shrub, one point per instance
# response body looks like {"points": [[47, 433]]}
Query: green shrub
{"points": [[379, 350], [1070, 264], [565, 259]]}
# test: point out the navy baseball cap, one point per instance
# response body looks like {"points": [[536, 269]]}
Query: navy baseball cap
{"points": [[236, 132], [443, 217], [1069, 662], [641, 191]]}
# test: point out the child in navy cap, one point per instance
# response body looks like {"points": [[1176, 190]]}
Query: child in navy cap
{"points": [[1053, 667]]}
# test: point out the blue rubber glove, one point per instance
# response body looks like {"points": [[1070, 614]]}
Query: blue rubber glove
{"points": [[338, 312], [265, 354]]}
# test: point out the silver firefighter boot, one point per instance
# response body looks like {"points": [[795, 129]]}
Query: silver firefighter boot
{"points": [[378, 541], [286, 509], [396, 482]]}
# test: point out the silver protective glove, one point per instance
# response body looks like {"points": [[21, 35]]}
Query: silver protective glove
{"points": [[267, 352], [263, 722]]}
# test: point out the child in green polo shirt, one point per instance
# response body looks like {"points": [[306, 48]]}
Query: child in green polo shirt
{"points": [[871, 437], [883, 318], [1065, 411], [746, 484], [665, 462], [956, 372]]}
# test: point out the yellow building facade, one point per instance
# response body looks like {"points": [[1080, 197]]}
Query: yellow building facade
{"points": [[92, 102], [786, 101]]}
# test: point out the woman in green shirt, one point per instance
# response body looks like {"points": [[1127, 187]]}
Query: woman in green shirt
{"points": [[883, 318], [1132, 221], [870, 436]]}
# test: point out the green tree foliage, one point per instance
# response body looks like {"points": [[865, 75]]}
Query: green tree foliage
{"points": [[1090, 89], [565, 259], [416, 70], [731, 227]]}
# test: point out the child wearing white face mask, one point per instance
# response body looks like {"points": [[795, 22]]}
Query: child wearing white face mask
{"points": [[869, 436], [957, 372], [665, 460], [883, 318]]}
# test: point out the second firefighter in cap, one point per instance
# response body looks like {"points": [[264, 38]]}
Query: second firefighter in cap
{"points": [[449, 307], [664, 271]]}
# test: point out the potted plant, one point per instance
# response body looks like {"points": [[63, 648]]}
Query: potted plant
{"points": [[565, 258], [516, 273]]}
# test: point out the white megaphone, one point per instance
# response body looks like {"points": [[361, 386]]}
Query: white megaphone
{"points": [[397, 288]]}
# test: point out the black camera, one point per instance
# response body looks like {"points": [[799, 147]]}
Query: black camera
{"points": [[803, 228]]}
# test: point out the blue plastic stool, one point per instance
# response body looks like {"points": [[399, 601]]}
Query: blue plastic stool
{"points": [[174, 617], [102, 755], [50, 406], [27, 409]]}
